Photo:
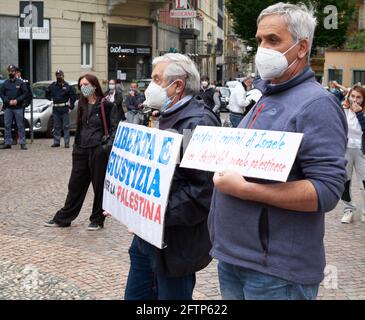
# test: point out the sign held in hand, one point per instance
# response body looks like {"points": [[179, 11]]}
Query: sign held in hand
{"points": [[138, 179], [253, 153]]}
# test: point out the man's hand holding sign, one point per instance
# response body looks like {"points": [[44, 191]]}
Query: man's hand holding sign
{"points": [[138, 179], [238, 153]]}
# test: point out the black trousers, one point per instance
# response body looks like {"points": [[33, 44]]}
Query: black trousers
{"points": [[88, 165]]}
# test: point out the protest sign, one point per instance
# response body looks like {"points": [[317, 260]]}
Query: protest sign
{"points": [[253, 153], [138, 179]]}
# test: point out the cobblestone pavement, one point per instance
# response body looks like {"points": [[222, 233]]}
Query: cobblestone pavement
{"points": [[72, 263]]}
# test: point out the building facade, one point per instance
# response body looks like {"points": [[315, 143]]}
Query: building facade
{"points": [[109, 38], [234, 53], [347, 66], [200, 37]]}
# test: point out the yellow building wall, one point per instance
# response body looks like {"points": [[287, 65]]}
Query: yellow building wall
{"points": [[65, 34], [209, 11], [347, 61]]}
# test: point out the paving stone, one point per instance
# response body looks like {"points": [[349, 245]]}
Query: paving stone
{"points": [[41, 263]]}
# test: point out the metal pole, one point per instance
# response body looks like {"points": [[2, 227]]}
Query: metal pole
{"points": [[31, 68]]}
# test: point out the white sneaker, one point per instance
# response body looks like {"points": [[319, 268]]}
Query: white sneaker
{"points": [[347, 217], [363, 218]]}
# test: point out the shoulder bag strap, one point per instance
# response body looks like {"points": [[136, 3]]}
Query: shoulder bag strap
{"points": [[106, 131]]}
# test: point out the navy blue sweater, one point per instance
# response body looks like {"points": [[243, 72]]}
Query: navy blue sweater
{"points": [[14, 89], [284, 243]]}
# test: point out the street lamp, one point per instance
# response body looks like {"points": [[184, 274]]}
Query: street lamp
{"points": [[209, 36]]}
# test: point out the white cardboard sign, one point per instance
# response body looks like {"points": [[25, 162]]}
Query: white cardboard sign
{"points": [[138, 179], [253, 153]]}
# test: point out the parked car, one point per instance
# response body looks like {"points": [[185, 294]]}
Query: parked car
{"points": [[42, 110], [1, 101], [1, 111], [225, 93]]}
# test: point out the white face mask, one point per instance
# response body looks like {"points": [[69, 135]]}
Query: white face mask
{"points": [[205, 84], [112, 87], [272, 64], [156, 97]]}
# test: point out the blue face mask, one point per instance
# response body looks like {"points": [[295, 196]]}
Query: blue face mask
{"points": [[167, 103]]}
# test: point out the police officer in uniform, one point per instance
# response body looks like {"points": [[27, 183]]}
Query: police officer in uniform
{"points": [[26, 103], [14, 93], [64, 98]]}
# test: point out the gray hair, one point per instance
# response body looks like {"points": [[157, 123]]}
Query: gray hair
{"points": [[180, 66], [299, 18]]}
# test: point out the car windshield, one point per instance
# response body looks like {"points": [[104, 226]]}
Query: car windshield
{"points": [[39, 91]]}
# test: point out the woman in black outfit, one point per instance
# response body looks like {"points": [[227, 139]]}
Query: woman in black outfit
{"points": [[114, 95], [90, 155]]}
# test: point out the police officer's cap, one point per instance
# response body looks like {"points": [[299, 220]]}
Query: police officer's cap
{"points": [[12, 67], [59, 72]]}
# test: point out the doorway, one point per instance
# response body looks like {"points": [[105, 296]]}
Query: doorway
{"points": [[41, 63]]}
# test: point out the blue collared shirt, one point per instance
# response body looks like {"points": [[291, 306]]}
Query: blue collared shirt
{"points": [[178, 104]]}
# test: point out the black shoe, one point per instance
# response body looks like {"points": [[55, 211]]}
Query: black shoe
{"points": [[23, 147], [67, 145], [94, 226], [6, 146], [52, 223], [55, 145]]}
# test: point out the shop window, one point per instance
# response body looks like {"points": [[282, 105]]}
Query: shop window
{"points": [[87, 40]]}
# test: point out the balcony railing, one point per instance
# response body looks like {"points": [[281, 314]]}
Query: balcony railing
{"points": [[205, 48], [190, 28]]}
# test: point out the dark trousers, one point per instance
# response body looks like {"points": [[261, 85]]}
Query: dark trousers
{"points": [[144, 284], [61, 120], [88, 165], [235, 119], [18, 115]]}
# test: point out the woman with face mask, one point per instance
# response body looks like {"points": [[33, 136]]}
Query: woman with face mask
{"points": [[90, 153], [114, 95], [354, 107]]}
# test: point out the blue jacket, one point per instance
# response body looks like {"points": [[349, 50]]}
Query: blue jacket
{"points": [[14, 89], [186, 232], [283, 243]]}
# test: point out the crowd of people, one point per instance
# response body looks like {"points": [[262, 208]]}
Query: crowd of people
{"points": [[353, 103], [266, 236]]}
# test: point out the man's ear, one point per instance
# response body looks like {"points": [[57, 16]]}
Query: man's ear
{"points": [[180, 86], [303, 48]]}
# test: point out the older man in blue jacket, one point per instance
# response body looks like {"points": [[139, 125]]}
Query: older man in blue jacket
{"points": [[268, 237], [169, 274]]}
